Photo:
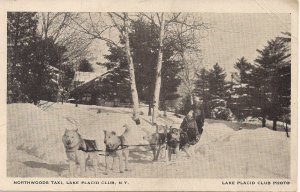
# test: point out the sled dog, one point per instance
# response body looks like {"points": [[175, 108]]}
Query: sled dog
{"points": [[173, 141], [78, 151], [157, 140], [116, 147]]}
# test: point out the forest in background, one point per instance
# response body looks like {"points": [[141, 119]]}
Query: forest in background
{"points": [[151, 56]]}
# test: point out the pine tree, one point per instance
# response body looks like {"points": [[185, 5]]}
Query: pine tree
{"points": [[21, 34], [144, 44], [44, 69], [211, 88], [244, 68], [202, 89], [116, 82], [33, 62], [85, 66], [216, 79], [241, 100], [274, 71]]}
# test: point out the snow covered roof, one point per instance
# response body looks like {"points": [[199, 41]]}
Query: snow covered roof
{"points": [[52, 68], [85, 76], [88, 76], [90, 82], [243, 85]]}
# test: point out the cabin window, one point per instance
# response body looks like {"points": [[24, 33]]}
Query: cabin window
{"points": [[86, 97]]}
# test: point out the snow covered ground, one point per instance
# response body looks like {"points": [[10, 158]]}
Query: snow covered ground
{"points": [[35, 148]]}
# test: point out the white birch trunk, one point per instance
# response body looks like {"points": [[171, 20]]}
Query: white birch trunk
{"points": [[192, 99], [158, 70], [134, 94]]}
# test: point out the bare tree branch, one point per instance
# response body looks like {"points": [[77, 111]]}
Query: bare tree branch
{"points": [[115, 23], [62, 24], [151, 18], [94, 35], [175, 17]]}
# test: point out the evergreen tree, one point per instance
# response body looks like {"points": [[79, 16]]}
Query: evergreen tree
{"points": [[202, 89], [244, 68], [211, 88], [144, 44], [21, 34], [85, 66], [241, 100], [284, 89], [44, 70], [117, 80], [274, 83], [34, 63], [216, 79]]}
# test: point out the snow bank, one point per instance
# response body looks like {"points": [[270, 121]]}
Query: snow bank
{"points": [[36, 132], [35, 146], [245, 153], [39, 132]]}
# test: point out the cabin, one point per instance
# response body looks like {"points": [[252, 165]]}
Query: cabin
{"points": [[98, 92]]}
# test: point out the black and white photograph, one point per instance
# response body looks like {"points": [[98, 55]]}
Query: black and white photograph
{"points": [[150, 95]]}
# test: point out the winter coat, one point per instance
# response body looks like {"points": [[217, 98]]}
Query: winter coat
{"points": [[200, 123], [189, 126]]}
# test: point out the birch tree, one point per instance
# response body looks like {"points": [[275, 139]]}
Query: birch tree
{"points": [[181, 29], [135, 98], [161, 20], [108, 27]]}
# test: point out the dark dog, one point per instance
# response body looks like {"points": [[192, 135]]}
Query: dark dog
{"points": [[173, 142], [178, 140], [116, 148]]}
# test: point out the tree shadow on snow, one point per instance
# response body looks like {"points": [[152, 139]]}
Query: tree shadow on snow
{"points": [[140, 161], [59, 168], [103, 110]]}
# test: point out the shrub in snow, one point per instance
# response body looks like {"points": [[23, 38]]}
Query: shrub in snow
{"points": [[222, 113], [31, 150], [217, 103], [253, 119]]}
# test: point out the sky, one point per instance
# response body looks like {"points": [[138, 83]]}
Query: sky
{"points": [[233, 36], [230, 36]]}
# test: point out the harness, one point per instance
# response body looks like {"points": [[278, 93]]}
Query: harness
{"points": [[84, 145], [119, 147], [88, 145], [161, 138], [184, 139], [172, 142]]}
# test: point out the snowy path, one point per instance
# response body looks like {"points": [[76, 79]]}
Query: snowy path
{"points": [[35, 148]]}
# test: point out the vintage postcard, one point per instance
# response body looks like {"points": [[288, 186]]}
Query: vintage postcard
{"points": [[148, 95]]}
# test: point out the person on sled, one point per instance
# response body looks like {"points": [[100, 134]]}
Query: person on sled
{"points": [[199, 117], [191, 130]]}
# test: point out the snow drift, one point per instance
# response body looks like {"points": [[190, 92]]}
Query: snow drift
{"points": [[35, 148]]}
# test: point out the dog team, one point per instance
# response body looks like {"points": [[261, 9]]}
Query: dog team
{"points": [[169, 139]]}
